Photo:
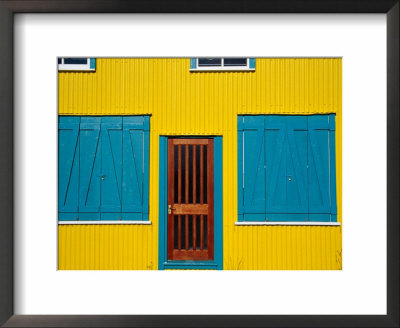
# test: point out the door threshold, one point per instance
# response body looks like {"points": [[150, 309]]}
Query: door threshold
{"points": [[191, 265]]}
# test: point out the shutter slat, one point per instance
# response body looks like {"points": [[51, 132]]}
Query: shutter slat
{"points": [[68, 161], [254, 167], [240, 169], [296, 171], [133, 171], [318, 162], [275, 140], [89, 169], [111, 168], [145, 168], [332, 149]]}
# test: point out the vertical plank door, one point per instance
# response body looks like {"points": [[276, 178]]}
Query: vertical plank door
{"points": [[190, 234]]}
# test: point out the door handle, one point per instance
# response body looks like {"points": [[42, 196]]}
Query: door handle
{"points": [[170, 209]]}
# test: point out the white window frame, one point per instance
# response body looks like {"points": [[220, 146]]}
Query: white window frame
{"points": [[222, 67], [75, 67], [99, 222]]}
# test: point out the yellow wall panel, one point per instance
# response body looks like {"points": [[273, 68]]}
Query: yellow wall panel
{"points": [[106, 247], [149, 86], [181, 102]]}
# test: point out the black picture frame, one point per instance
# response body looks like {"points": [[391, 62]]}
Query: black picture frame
{"points": [[7, 10]]}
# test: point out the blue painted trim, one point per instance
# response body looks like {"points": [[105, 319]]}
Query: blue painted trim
{"points": [[162, 203], [146, 167], [67, 216], [252, 63], [91, 119], [89, 216], [136, 122], [218, 198], [193, 62], [109, 216], [332, 123], [69, 119], [288, 217], [240, 126], [132, 216], [92, 63], [146, 123], [332, 147], [254, 217], [320, 218], [191, 266], [240, 167], [218, 215], [182, 262]]}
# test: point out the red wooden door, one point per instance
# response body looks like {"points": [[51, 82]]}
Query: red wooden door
{"points": [[190, 199]]}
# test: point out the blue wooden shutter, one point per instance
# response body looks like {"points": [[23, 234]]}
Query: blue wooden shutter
{"points": [[253, 165], [90, 168], [135, 178], [104, 168], [276, 158], [296, 168], [111, 167], [288, 164], [68, 167], [321, 162]]}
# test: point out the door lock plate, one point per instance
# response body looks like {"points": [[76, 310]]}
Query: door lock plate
{"points": [[170, 209]]}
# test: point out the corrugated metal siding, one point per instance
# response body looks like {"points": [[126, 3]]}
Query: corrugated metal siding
{"points": [[146, 86], [208, 103], [106, 247], [282, 248]]}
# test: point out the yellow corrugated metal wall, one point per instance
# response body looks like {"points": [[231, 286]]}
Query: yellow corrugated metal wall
{"points": [[204, 103]]}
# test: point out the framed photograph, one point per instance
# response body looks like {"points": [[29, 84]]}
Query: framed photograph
{"points": [[287, 176], [150, 173]]}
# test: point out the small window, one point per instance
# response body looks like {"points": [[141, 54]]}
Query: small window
{"points": [[235, 61], [75, 61], [205, 62], [77, 64], [222, 64]]}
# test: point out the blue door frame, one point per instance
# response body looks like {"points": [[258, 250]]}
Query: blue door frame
{"points": [[163, 263]]}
